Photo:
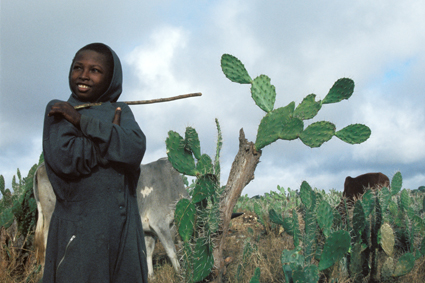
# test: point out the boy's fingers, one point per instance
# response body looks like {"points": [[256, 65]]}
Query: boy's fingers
{"points": [[117, 117]]}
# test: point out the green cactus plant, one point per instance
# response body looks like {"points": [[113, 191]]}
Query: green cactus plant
{"points": [[197, 218], [404, 265], [396, 183], [256, 277], [297, 264], [336, 246], [387, 239], [6, 215], [378, 211], [287, 122], [325, 217]]}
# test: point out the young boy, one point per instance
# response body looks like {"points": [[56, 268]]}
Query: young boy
{"points": [[93, 158]]}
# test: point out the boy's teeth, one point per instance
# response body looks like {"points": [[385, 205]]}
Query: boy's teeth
{"points": [[83, 86]]}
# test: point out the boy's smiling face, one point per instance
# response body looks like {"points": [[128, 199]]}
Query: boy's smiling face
{"points": [[90, 75]]}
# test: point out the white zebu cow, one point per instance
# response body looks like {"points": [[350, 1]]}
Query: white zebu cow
{"points": [[158, 189]]}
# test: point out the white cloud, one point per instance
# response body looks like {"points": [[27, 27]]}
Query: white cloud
{"points": [[153, 62], [398, 134]]}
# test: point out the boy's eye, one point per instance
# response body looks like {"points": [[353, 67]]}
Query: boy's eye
{"points": [[94, 70]]}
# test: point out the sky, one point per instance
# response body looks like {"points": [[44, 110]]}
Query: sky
{"points": [[169, 48]]}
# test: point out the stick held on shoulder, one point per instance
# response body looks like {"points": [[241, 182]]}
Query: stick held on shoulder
{"points": [[144, 101]]}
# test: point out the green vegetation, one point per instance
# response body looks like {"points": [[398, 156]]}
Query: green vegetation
{"points": [[380, 240], [197, 218], [18, 216], [287, 123]]}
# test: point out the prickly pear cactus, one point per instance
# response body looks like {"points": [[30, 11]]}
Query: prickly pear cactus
{"points": [[234, 69], [359, 221], [342, 89], [287, 122], [396, 183], [336, 246], [307, 274], [325, 217], [6, 215], [178, 154], [291, 260], [263, 93], [256, 277], [387, 239], [405, 263], [197, 218], [184, 217]]}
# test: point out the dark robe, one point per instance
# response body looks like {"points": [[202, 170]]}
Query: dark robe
{"points": [[95, 233]]}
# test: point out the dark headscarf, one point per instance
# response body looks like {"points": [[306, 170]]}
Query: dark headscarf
{"points": [[115, 86]]}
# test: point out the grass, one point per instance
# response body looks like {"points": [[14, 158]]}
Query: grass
{"points": [[17, 258]]}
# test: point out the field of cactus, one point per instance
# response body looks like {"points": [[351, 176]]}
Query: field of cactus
{"points": [[284, 236], [283, 240]]}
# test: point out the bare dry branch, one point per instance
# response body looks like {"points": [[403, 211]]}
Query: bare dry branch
{"points": [[144, 101]]}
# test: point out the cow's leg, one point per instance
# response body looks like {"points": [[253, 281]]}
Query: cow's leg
{"points": [[164, 235], [150, 246]]}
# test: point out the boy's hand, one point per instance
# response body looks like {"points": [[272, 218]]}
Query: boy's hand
{"points": [[67, 111], [117, 117]]}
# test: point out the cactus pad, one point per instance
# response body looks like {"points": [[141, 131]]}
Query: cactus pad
{"points": [[342, 89], [263, 93], [256, 277], [308, 274], [368, 202], [385, 198], [181, 159], [325, 217], [356, 262], [317, 133], [396, 183], [387, 269], [234, 70], [203, 260], [278, 124], [387, 239], [204, 187], [292, 257], [184, 217], [404, 200], [308, 108], [359, 220], [306, 194], [335, 247], [192, 142], [6, 217], [404, 265], [275, 218], [204, 165], [354, 134]]}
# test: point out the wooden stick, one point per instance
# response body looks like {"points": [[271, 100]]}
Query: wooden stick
{"points": [[144, 101]]}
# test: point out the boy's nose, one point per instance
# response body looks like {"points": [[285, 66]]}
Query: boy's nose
{"points": [[84, 74]]}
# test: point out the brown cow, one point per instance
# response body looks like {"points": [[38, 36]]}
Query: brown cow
{"points": [[356, 187]]}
